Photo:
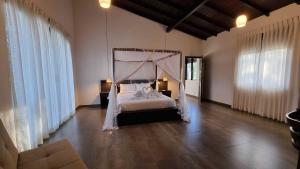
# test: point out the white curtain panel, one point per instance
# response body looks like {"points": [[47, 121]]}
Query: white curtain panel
{"points": [[200, 66], [267, 70], [41, 73], [246, 72], [163, 61]]}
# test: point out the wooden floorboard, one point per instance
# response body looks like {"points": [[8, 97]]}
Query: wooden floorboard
{"points": [[217, 138]]}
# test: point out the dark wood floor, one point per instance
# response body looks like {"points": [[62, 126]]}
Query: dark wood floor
{"points": [[217, 137]]}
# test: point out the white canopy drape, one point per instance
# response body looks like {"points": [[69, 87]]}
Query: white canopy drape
{"points": [[141, 65]]}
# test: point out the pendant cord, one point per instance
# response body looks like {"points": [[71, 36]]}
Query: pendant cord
{"points": [[106, 33]]}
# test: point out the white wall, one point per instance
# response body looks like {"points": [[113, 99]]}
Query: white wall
{"points": [[61, 11], [126, 30], [192, 87], [220, 52], [219, 67]]}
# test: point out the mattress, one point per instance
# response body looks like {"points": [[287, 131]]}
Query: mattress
{"points": [[128, 102]]}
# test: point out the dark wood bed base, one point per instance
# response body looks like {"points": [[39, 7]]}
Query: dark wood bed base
{"points": [[148, 116]]}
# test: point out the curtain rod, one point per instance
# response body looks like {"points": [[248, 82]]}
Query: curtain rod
{"points": [[147, 50]]}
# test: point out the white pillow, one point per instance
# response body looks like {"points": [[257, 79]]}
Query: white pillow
{"points": [[125, 88], [140, 86]]}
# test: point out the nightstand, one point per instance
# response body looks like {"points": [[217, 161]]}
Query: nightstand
{"points": [[105, 88], [103, 99], [166, 92]]}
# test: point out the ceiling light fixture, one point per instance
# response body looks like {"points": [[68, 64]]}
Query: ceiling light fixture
{"points": [[105, 3], [241, 21]]}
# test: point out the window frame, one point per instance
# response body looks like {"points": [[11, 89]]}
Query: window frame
{"points": [[193, 59]]}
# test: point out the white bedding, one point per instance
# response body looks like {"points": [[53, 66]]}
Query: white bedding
{"points": [[128, 102]]}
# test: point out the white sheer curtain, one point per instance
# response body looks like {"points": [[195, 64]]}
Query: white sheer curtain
{"points": [[41, 73], [267, 70], [200, 74], [246, 72]]}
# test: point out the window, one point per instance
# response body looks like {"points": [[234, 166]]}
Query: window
{"points": [[276, 66], [195, 69], [41, 75], [189, 70], [192, 68], [266, 70], [246, 71]]}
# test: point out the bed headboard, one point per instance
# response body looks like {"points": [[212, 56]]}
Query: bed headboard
{"points": [[153, 85]]}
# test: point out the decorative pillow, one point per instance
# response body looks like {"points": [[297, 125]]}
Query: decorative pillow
{"points": [[140, 86], [139, 93], [147, 90], [125, 88]]}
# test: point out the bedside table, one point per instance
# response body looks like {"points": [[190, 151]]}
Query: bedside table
{"points": [[166, 92], [103, 99]]}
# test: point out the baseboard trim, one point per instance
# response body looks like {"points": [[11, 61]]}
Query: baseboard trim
{"points": [[88, 106], [196, 97], [216, 102]]}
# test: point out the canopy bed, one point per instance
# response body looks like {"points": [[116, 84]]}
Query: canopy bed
{"points": [[133, 93]]}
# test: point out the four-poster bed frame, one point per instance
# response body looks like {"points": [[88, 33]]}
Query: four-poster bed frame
{"points": [[152, 115], [147, 50], [137, 105]]}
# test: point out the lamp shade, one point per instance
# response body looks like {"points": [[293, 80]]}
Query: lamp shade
{"points": [[165, 79], [105, 3], [241, 21], [108, 80]]}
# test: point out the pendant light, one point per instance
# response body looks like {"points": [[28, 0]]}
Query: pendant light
{"points": [[105, 3], [241, 21]]}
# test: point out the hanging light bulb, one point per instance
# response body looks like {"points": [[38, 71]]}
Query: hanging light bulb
{"points": [[105, 3], [241, 21]]}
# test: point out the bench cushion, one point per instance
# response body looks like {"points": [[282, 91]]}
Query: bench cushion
{"points": [[59, 155]]}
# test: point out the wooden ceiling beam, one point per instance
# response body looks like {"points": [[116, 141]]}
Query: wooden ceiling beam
{"points": [[187, 23], [219, 10], [187, 14], [253, 5], [214, 22], [203, 29], [158, 17], [150, 5], [140, 10], [204, 18], [183, 28]]}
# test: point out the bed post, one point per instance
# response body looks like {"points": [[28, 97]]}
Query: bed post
{"points": [[113, 64], [181, 71]]}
